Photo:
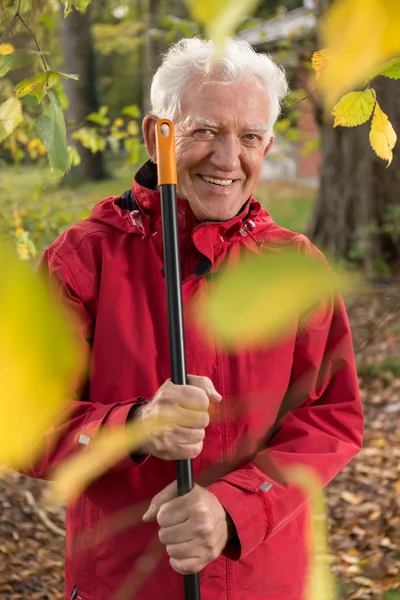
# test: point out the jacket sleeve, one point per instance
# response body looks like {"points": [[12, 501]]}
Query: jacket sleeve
{"points": [[320, 428], [82, 420]]}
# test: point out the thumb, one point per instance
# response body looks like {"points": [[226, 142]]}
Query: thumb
{"points": [[167, 494]]}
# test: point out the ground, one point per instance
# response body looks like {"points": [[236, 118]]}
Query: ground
{"points": [[364, 500]]}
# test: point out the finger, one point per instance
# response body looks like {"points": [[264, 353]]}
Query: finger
{"points": [[184, 551], [187, 566], [207, 385], [178, 534], [173, 512], [159, 500], [192, 419], [183, 435]]}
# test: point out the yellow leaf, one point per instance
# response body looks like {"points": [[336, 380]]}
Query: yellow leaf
{"points": [[10, 117], [6, 49], [277, 288], [382, 136], [37, 357], [319, 61], [106, 450], [354, 108], [322, 584], [38, 85], [360, 34], [220, 17]]}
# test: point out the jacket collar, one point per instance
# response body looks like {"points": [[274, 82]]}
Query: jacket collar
{"points": [[147, 197]]}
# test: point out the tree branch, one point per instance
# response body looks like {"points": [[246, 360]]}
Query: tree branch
{"points": [[11, 23], [25, 24], [17, 15], [301, 99]]}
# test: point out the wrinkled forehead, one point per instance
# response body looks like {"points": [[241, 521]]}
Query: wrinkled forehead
{"points": [[215, 103], [192, 122]]}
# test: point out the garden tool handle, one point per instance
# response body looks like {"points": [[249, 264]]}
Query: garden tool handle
{"points": [[168, 181]]}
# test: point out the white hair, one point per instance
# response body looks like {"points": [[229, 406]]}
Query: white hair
{"points": [[194, 56]]}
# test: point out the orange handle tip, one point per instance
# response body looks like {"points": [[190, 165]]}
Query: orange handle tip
{"points": [[166, 157]]}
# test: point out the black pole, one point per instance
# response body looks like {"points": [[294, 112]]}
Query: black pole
{"points": [[172, 267]]}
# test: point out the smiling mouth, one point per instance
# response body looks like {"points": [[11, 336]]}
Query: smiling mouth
{"points": [[216, 181]]}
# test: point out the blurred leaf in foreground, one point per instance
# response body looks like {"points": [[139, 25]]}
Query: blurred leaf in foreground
{"points": [[322, 584], [104, 452], [220, 17], [259, 300], [37, 358], [360, 34]]}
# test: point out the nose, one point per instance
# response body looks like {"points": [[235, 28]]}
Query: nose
{"points": [[225, 153]]}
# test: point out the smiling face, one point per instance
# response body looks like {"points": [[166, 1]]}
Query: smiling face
{"points": [[221, 141]]}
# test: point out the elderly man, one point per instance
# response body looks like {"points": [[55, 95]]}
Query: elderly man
{"points": [[244, 525]]}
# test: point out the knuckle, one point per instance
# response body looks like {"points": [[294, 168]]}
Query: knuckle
{"points": [[201, 511], [183, 567], [195, 450], [161, 517], [162, 535], [207, 383], [207, 532]]}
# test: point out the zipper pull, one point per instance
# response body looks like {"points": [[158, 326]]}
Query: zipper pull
{"points": [[74, 594]]}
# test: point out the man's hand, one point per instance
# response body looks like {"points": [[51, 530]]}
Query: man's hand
{"points": [[193, 527], [189, 406]]}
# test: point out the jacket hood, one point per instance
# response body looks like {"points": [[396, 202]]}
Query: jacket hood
{"points": [[139, 212]]}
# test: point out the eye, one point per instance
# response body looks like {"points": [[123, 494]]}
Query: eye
{"points": [[204, 131], [252, 137]]}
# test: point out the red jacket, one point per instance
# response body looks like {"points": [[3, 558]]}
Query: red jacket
{"points": [[108, 270]]}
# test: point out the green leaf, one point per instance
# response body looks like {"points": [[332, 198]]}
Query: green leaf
{"points": [[354, 108], [220, 17], [10, 117], [277, 288], [132, 128], [80, 5], [74, 157], [47, 21], [131, 111], [39, 84], [35, 85], [391, 69], [132, 146], [98, 119], [17, 59], [51, 130], [37, 358], [90, 139]]}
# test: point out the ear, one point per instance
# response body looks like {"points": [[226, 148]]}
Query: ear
{"points": [[149, 135], [268, 147]]}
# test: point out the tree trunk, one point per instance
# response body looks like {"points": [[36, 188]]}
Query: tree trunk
{"points": [[149, 50], [79, 57], [358, 193]]}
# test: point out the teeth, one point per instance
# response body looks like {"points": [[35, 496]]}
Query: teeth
{"points": [[217, 181]]}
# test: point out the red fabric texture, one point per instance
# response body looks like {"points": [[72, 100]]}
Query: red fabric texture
{"points": [[294, 404]]}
